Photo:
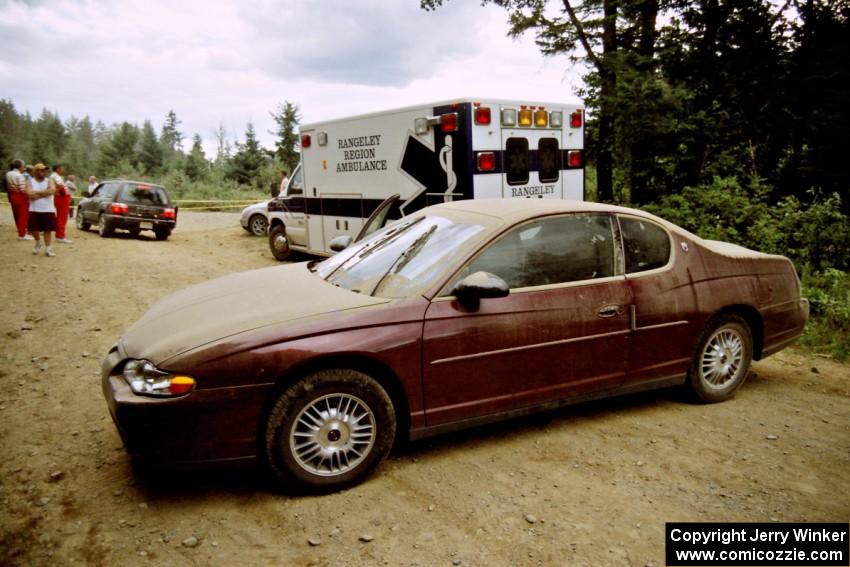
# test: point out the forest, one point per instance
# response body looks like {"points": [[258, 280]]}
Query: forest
{"points": [[727, 117]]}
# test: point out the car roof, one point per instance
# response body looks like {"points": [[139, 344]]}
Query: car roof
{"points": [[120, 180], [515, 210]]}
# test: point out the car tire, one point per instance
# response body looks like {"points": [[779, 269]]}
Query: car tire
{"points": [[162, 233], [721, 360], [328, 430], [279, 243], [104, 229], [258, 225], [80, 221]]}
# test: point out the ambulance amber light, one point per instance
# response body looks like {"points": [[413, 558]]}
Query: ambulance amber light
{"points": [[575, 119], [525, 117], [486, 161], [305, 140], [482, 115], [556, 119], [449, 122], [541, 118], [574, 158], [509, 117]]}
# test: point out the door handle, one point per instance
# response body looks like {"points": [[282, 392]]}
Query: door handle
{"points": [[610, 310]]}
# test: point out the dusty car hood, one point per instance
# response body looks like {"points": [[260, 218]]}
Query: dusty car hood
{"points": [[234, 304]]}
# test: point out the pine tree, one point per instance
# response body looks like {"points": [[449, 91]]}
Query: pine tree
{"points": [[171, 138], [286, 145], [196, 165], [245, 165], [150, 152], [119, 152]]}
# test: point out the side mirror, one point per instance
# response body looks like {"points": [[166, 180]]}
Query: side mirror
{"points": [[480, 285], [340, 243]]}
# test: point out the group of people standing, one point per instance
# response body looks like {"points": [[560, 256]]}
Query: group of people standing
{"points": [[41, 203]]}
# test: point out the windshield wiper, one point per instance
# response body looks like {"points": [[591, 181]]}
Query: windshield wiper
{"points": [[406, 256], [373, 247]]}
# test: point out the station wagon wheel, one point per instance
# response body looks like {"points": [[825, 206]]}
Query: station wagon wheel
{"points": [[328, 430], [80, 220], [258, 225], [722, 359], [103, 227]]}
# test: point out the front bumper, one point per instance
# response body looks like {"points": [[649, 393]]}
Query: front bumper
{"points": [[218, 424]]}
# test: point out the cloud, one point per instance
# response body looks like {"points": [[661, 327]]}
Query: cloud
{"points": [[232, 61], [380, 42]]}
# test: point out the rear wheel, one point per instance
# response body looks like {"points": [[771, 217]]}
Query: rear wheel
{"points": [[258, 225], [162, 233], [279, 243], [104, 228], [80, 220], [722, 359], [328, 430]]}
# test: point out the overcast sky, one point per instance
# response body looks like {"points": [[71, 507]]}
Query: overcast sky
{"points": [[233, 61]]}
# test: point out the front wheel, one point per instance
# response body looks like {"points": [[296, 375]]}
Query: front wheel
{"points": [[279, 243], [722, 359], [328, 430]]}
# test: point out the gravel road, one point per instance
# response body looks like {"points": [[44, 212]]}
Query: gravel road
{"points": [[589, 485]]}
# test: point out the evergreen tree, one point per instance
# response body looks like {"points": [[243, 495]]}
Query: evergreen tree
{"points": [[196, 165], [119, 152], [171, 137], [286, 145], [150, 152], [246, 164]]}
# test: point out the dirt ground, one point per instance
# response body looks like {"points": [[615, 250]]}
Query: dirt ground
{"points": [[588, 485]]}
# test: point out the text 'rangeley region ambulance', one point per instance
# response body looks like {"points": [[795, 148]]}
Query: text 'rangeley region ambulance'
{"points": [[389, 164]]}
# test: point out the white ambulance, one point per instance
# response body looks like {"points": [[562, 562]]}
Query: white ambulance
{"points": [[388, 164]]}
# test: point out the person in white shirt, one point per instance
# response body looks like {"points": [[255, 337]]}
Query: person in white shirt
{"points": [[92, 185], [42, 213], [16, 182]]}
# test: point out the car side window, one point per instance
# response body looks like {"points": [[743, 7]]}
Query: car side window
{"points": [[296, 184], [107, 190], [646, 245], [551, 251]]}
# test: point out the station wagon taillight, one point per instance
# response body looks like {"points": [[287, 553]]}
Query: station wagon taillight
{"points": [[575, 119], [486, 161], [169, 214], [449, 122], [119, 208]]}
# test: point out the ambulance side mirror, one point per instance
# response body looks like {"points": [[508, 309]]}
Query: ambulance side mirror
{"points": [[340, 243]]}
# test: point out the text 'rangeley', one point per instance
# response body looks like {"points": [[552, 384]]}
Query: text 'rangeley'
{"points": [[426, 154]]}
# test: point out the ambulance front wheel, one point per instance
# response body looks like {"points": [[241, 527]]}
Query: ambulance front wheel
{"points": [[279, 243]]}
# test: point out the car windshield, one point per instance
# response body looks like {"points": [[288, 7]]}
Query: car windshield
{"points": [[145, 194], [403, 259]]}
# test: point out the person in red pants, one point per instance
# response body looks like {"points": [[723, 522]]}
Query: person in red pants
{"points": [[18, 198], [62, 201]]}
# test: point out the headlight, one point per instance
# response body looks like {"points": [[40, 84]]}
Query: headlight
{"points": [[146, 380]]}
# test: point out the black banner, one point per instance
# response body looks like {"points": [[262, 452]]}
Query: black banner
{"points": [[757, 544]]}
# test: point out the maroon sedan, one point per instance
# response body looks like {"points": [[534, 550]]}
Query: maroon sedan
{"points": [[461, 314]]}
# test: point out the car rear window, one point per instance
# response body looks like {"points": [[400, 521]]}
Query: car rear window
{"points": [[144, 194]]}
